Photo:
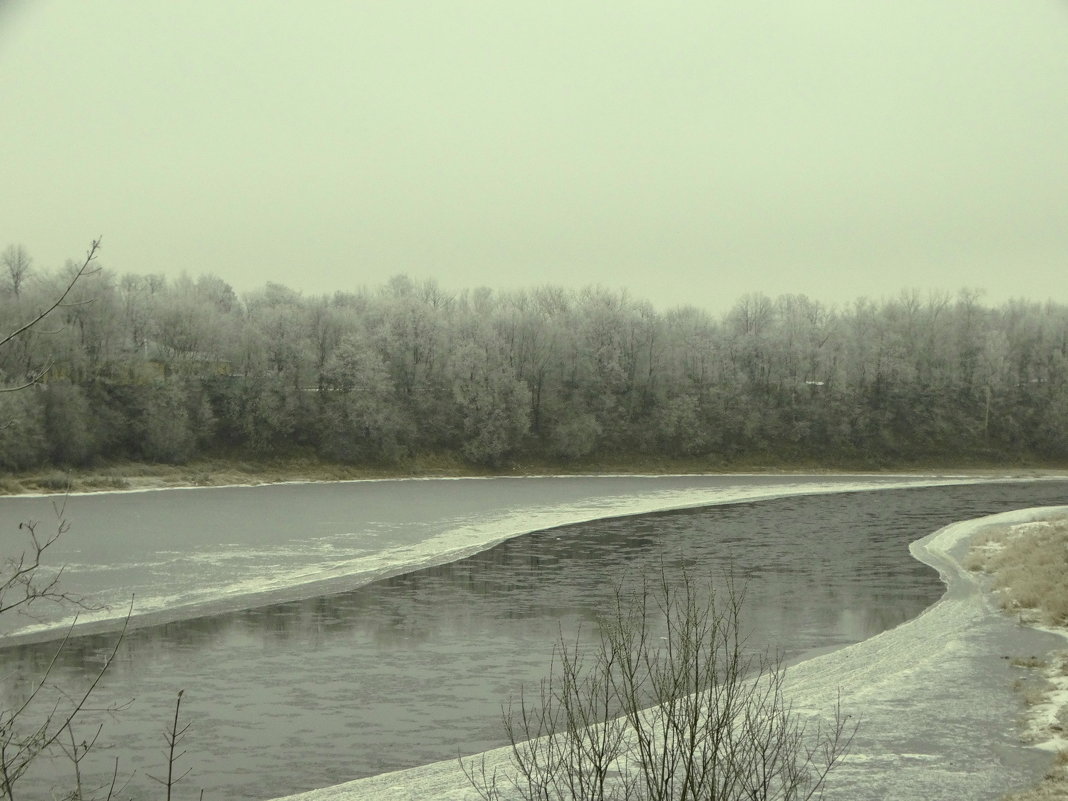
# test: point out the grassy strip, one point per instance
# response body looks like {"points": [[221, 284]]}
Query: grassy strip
{"points": [[210, 473], [1028, 566], [231, 471]]}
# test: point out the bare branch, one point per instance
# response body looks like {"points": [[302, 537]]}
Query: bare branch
{"points": [[78, 274], [42, 721], [174, 738], [19, 750], [23, 581], [30, 382]]}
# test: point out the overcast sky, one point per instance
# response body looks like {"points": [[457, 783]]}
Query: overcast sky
{"points": [[688, 151]]}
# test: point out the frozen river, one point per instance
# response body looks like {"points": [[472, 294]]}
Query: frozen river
{"points": [[327, 632]]}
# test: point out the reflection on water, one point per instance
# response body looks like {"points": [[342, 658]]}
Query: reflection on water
{"points": [[414, 668]]}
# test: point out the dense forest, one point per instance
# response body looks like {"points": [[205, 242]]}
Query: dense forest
{"points": [[136, 367]]}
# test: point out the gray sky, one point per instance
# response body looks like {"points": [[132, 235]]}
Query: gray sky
{"points": [[688, 151]]}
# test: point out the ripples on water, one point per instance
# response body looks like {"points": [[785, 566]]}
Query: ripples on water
{"points": [[415, 668]]}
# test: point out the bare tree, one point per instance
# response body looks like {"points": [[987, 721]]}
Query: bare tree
{"points": [[17, 263], [667, 704]]}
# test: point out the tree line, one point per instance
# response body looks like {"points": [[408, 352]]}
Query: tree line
{"points": [[138, 367]]}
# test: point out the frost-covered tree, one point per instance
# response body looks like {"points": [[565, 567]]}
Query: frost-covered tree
{"points": [[362, 419], [493, 404], [17, 265]]}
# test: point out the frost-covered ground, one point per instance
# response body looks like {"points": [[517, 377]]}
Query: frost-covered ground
{"points": [[938, 715]]}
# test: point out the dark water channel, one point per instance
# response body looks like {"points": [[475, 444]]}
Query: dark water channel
{"points": [[415, 668]]}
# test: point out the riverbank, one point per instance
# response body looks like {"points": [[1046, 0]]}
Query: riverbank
{"points": [[224, 472], [1026, 565]]}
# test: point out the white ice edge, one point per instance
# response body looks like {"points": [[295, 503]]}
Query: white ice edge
{"points": [[887, 664]]}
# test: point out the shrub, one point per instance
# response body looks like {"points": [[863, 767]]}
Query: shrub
{"points": [[666, 704]]}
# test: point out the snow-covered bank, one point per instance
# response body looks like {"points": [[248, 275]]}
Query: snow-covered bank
{"points": [[940, 719], [934, 697]]}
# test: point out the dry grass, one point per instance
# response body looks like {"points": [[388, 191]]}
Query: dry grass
{"points": [[1028, 662], [1045, 722], [1053, 786], [204, 474], [1028, 565], [1033, 690], [1028, 569]]}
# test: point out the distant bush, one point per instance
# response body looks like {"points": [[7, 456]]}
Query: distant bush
{"points": [[10, 486], [107, 482], [53, 482]]}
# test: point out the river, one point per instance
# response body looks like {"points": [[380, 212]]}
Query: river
{"points": [[324, 632]]}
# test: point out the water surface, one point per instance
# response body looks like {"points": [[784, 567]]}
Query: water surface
{"points": [[413, 668]]}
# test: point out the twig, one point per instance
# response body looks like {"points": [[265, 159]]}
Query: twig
{"points": [[82, 271], [174, 737]]}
